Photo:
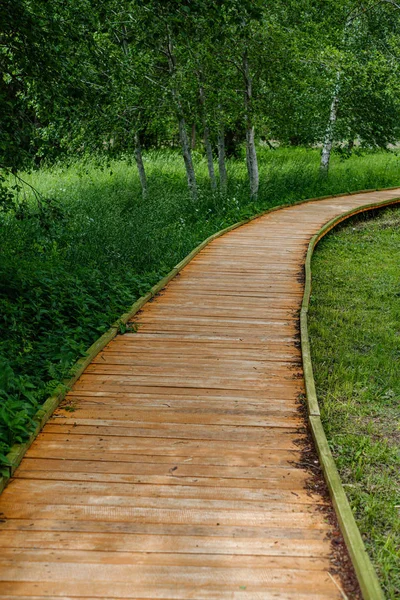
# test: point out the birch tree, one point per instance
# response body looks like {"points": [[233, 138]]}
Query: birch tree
{"points": [[330, 129], [356, 109], [241, 22], [206, 134], [223, 174], [251, 153], [183, 136], [82, 75]]}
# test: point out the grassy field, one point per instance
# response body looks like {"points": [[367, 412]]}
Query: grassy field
{"points": [[68, 272], [355, 337]]}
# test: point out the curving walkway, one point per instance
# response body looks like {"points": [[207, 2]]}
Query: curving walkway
{"points": [[170, 471]]}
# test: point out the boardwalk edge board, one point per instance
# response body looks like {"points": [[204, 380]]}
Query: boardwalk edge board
{"points": [[365, 571]]}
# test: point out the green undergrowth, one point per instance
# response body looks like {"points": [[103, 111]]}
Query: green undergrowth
{"points": [[355, 337], [69, 270]]}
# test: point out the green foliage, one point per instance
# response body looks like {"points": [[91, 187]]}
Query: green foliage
{"points": [[17, 407], [79, 76], [354, 328]]}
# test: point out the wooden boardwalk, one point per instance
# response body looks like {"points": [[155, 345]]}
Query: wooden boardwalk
{"points": [[170, 472]]}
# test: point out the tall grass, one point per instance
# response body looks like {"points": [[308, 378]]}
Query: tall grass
{"points": [[63, 282]]}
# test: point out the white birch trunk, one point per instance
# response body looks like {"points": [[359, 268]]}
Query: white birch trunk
{"points": [[252, 164], [209, 155], [207, 143], [187, 157], [251, 153], [140, 165], [329, 134], [223, 176]]}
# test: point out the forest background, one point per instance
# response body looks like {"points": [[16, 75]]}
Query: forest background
{"points": [[132, 130]]}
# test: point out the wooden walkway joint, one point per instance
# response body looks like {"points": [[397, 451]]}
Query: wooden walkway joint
{"points": [[172, 469]]}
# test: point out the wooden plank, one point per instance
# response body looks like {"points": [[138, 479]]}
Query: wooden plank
{"points": [[286, 439], [273, 390], [279, 332], [235, 288], [211, 341], [267, 405], [141, 346], [10, 556], [121, 590], [132, 416], [285, 477], [164, 503], [279, 541], [198, 310], [206, 372], [144, 576], [101, 450], [209, 359], [246, 323], [100, 475], [265, 596], [204, 516], [152, 403], [202, 264], [194, 378], [86, 453], [281, 297], [221, 386], [217, 451], [121, 430], [141, 365], [63, 488]]}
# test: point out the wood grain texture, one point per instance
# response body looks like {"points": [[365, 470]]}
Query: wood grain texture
{"points": [[172, 468]]}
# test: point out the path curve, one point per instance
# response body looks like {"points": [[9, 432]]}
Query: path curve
{"points": [[169, 472]]}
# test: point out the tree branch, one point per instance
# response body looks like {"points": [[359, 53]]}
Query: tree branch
{"points": [[392, 2]]}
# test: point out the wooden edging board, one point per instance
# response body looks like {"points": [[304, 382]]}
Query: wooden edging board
{"points": [[365, 571]]}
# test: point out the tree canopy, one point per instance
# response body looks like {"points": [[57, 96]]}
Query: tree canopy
{"points": [[120, 76]]}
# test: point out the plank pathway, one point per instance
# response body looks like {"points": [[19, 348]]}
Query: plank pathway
{"points": [[174, 477]]}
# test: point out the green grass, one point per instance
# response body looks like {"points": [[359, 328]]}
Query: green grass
{"points": [[355, 337], [64, 279]]}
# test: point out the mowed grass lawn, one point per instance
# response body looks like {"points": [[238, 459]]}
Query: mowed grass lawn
{"points": [[355, 337]]}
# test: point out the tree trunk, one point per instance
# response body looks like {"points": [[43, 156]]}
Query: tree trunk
{"points": [[187, 157], [210, 160], [138, 146], [193, 138], [223, 176], [207, 143], [183, 136], [329, 134], [251, 153], [252, 164], [140, 165]]}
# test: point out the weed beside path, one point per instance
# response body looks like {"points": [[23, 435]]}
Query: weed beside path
{"points": [[354, 322], [64, 280]]}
